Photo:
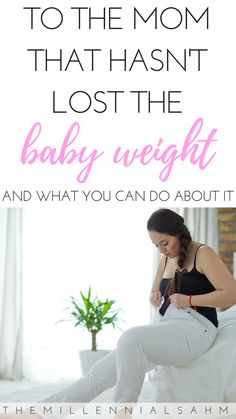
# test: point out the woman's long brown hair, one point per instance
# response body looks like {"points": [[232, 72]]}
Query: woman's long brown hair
{"points": [[169, 222]]}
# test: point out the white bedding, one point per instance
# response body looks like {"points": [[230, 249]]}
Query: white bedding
{"points": [[210, 378]]}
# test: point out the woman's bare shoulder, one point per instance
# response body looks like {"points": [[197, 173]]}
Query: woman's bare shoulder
{"points": [[204, 255], [207, 259], [205, 251]]}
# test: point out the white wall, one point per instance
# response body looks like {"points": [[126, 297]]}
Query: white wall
{"points": [[66, 250]]}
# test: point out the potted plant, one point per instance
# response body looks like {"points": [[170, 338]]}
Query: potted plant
{"points": [[93, 314]]}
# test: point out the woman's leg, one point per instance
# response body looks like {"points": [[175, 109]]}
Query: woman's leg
{"points": [[100, 377], [175, 341]]}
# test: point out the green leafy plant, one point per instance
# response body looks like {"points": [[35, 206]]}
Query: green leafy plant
{"points": [[93, 314]]}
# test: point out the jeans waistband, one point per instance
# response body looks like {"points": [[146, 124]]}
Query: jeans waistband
{"points": [[187, 313]]}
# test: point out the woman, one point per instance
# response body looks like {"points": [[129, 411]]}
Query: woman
{"points": [[191, 281]]}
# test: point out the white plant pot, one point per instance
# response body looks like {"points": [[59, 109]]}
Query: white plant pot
{"points": [[88, 358]]}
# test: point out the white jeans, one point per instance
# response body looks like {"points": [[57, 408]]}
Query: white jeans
{"points": [[176, 339]]}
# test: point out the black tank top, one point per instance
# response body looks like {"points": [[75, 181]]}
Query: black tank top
{"points": [[193, 283]]}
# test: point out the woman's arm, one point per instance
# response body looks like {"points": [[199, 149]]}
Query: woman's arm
{"points": [[155, 295], [211, 265]]}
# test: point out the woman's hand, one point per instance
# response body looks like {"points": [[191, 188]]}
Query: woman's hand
{"points": [[179, 300], [155, 298]]}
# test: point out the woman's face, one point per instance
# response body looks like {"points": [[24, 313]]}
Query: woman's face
{"points": [[168, 245]]}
